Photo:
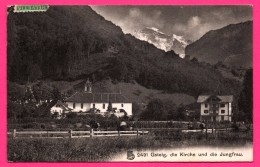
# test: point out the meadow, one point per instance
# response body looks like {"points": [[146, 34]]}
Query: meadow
{"points": [[104, 148]]}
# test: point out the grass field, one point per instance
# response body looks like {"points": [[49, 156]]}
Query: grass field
{"points": [[104, 148]]}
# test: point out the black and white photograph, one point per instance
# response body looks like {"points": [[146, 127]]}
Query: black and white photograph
{"points": [[129, 83]]}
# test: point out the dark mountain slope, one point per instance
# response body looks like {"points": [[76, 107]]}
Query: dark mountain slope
{"points": [[69, 43], [231, 45]]}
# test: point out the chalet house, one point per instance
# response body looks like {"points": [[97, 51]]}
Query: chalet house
{"points": [[215, 108], [60, 108], [87, 100]]}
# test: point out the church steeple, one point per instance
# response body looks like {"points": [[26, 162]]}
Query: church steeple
{"points": [[88, 87]]}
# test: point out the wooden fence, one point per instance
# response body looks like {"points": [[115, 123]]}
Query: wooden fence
{"points": [[72, 134]]}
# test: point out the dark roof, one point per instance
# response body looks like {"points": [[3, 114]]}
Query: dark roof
{"points": [[204, 98], [84, 97]]}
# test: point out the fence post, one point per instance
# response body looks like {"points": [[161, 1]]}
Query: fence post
{"points": [[137, 132], [14, 134], [70, 133], [142, 132], [206, 130], [91, 133], [226, 127], [119, 133]]}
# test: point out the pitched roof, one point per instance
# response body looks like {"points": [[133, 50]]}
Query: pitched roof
{"points": [[204, 98], [84, 97], [61, 105]]}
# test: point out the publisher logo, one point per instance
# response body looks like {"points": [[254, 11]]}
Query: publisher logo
{"points": [[130, 155]]}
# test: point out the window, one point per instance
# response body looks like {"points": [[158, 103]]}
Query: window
{"points": [[206, 105], [222, 105], [93, 105], [222, 118], [122, 105], [206, 111], [74, 105], [222, 111], [104, 106], [81, 105]]}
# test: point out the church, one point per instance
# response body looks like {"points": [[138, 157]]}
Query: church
{"points": [[99, 102]]}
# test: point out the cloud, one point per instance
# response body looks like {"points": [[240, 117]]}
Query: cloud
{"points": [[222, 14], [194, 21], [193, 28], [137, 19], [197, 26], [135, 12]]}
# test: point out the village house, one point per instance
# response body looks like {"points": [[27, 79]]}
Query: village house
{"points": [[215, 108], [60, 108], [87, 100]]}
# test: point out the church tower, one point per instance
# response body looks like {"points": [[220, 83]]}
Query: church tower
{"points": [[88, 87]]}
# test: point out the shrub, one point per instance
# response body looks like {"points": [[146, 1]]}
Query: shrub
{"points": [[235, 127], [71, 115], [43, 126]]}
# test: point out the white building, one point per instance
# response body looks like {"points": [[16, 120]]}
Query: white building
{"points": [[215, 108], [60, 108], [87, 100]]}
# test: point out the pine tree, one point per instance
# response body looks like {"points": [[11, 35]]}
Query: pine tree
{"points": [[245, 101]]}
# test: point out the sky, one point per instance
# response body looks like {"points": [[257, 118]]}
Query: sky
{"points": [[191, 22]]}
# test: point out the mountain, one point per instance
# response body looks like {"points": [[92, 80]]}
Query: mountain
{"points": [[163, 41], [231, 45], [69, 43]]}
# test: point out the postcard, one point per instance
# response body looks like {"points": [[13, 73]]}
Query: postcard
{"points": [[129, 83]]}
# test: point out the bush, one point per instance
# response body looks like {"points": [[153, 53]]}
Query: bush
{"points": [[235, 127], [72, 115], [43, 126]]}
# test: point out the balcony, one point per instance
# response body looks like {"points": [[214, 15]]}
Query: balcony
{"points": [[213, 113], [213, 108]]}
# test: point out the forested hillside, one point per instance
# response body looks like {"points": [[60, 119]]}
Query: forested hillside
{"points": [[230, 45], [70, 43]]}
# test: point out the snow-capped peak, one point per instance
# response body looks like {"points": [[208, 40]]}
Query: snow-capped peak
{"points": [[155, 29], [180, 39], [163, 41]]}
